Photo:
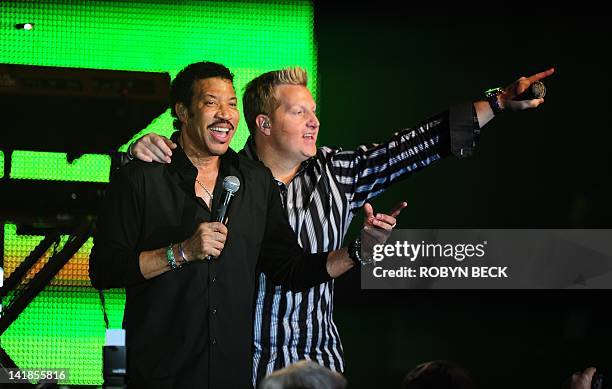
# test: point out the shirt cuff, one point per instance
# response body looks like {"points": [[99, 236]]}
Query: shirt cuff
{"points": [[132, 274], [321, 269], [464, 129]]}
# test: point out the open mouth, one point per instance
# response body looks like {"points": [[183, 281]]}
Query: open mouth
{"points": [[220, 131]]}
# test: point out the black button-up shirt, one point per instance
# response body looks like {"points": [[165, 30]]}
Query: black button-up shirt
{"points": [[192, 327]]}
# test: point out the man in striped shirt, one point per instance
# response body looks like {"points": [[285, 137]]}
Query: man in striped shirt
{"points": [[322, 189]]}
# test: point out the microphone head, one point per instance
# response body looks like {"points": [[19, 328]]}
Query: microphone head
{"points": [[231, 184], [538, 90]]}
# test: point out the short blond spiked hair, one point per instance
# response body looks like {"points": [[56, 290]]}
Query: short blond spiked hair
{"points": [[260, 93]]}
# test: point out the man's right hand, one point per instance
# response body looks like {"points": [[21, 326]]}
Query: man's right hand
{"points": [[208, 239], [153, 148]]}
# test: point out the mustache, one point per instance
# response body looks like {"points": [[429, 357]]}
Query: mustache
{"points": [[222, 122]]}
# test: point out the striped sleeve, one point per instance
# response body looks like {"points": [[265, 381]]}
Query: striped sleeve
{"points": [[366, 172]]}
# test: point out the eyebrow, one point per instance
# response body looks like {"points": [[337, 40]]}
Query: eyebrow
{"points": [[216, 97], [302, 106]]}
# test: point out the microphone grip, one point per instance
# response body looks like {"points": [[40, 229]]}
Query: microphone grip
{"points": [[536, 90], [221, 213], [220, 217]]}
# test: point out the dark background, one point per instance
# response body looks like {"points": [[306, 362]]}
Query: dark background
{"points": [[384, 67]]}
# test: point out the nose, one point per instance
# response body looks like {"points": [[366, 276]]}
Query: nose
{"points": [[313, 120], [224, 112]]}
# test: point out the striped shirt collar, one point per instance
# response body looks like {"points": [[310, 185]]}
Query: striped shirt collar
{"points": [[250, 151]]}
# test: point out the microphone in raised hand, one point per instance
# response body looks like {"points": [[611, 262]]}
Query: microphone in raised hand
{"points": [[536, 90]]}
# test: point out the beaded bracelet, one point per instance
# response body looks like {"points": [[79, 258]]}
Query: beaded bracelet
{"points": [[171, 259]]}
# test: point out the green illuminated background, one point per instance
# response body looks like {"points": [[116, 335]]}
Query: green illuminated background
{"points": [[63, 326]]}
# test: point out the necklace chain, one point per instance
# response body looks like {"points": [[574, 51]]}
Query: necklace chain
{"points": [[207, 191]]}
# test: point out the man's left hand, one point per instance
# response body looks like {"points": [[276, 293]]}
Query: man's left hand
{"points": [[381, 220]]}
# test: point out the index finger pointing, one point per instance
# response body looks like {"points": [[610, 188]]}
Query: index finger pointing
{"points": [[541, 75], [398, 209]]}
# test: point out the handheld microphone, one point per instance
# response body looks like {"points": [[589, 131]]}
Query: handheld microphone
{"points": [[536, 90], [231, 184]]}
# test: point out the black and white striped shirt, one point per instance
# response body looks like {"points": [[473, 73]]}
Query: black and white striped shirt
{"points": [[320, 202]]}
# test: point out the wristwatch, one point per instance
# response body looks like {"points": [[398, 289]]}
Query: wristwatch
{"points": [[492, 97], [354, 251]]}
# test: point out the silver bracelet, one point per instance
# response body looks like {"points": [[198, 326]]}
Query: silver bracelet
{"points": [[130, 156], [183, 257]]}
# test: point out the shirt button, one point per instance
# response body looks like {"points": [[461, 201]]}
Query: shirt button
{"points": [[214, 311], [214, 341], [214, 279]]}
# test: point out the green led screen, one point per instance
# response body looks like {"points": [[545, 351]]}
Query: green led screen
{"points": [[27, 165], [63, 326]]}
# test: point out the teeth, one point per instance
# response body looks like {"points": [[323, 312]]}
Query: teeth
{"points": [[219, 129]]}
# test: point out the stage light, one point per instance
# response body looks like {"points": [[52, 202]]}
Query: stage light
{"points": [[24, 26]]}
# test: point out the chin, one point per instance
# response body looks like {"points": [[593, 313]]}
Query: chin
{"points": [[218, 151], [310, 152]]}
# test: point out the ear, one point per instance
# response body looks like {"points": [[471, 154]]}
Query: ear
{"points": [[263, 124], [182, 112]]}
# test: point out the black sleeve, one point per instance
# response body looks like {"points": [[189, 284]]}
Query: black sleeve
{"points": [[119, 159], [367, 171], [281, 257], [113, 262], [464, 129]]}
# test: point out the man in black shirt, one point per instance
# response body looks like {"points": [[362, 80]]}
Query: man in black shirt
{"points": [[188, 320]]}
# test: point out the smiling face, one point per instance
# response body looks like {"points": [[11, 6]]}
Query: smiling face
{"points": [[209, 124], [294, 124]]}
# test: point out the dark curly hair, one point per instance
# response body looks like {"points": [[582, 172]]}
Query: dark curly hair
{"points": [[181, 89]]}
